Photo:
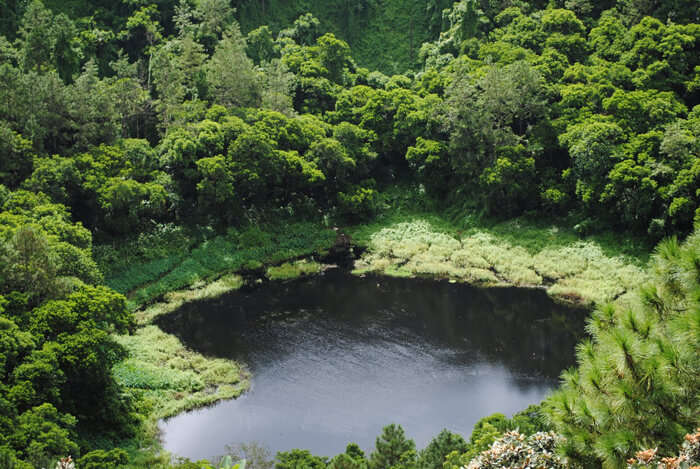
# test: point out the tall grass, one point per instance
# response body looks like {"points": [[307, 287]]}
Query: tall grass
{"points": [[292, 270], [166, 378], [570, 269], [146, 279]]}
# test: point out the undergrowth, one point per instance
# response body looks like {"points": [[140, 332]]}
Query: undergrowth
{"points": [[146, 279], [292, 270], [166, 378], [571, 269]]}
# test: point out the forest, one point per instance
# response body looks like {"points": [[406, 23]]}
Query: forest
{"points": [[155, 151]]}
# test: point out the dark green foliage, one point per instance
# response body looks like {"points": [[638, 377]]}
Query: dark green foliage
{"points": [[433, 456], [392, 447], [352, 458], [99, 459]]}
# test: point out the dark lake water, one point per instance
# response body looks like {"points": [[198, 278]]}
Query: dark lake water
{"points": [[334, 358]]}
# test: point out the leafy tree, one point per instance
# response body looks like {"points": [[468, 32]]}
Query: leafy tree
{"points": [[359, 201], [16, 163], [494, 113], [216, 188], [332, 158], [429, 159], [334, 56], [127, 204], [277, 87], [29, 263], [433, 456], [298, 459], [508, 185], [261, 46], [95, 120], [215, 17], [178, 75], [47, 42], [101, 459], [304, 31], [352, 458], [593, 147], [42, 432]]}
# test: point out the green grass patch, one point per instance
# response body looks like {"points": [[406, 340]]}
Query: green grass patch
{"points": [[292, 270], [571, 269], [166, 378], [174, 300], [147, 279]]}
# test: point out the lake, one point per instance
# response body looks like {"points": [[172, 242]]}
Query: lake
{"points": [[335, 357]]}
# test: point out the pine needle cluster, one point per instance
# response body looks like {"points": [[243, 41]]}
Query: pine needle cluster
{"points": [[637, 381]]}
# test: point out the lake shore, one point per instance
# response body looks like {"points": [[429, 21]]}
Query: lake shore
{"points": [[572, 271]]}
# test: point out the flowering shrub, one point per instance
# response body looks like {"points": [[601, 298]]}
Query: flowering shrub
{"points": [[65, 463], [514, 450], [688, 457]]}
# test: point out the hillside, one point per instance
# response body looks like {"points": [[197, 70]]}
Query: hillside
{"points": [[384, 35]]}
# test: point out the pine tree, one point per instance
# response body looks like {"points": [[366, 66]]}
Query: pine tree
{"points": [[390, 446], [638, 377]]}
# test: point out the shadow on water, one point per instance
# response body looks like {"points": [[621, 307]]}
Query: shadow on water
{"points": [[336, 357]]}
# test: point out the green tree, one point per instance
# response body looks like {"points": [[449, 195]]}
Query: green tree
{"points": [[352, 458], [214, 17], [304, 31], [509, 185], [334, 56], [35, 38], [391, 445], [261, 46], [127, 204], [42, 432], [433, 456], [636, 378], [216, 188], [16, 163], [29, 264], [178, 75], [230, 72], [95, 119], [277, 86], [299, 459], [101, 459]]}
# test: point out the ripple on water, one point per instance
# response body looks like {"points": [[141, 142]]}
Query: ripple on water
{"points": [[335, 358]]}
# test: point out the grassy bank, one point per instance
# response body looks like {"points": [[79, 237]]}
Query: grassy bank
{"points": [[516, 252], [145, 272], [168, 379]]}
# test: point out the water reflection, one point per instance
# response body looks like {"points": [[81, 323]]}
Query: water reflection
{"points": [[336, 357]]}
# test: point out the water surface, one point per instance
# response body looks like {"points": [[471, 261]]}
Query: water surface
{"points": [[334, 358]]}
